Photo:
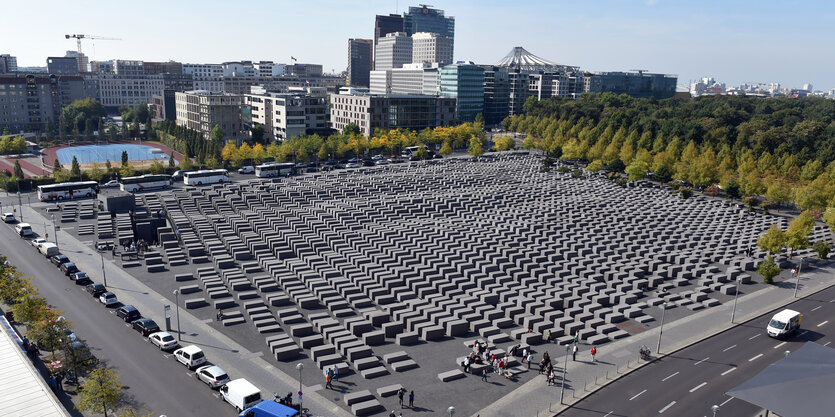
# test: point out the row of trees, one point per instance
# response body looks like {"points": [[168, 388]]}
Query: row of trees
{"points": [[795, 237], [782, 149], [12, 144]]}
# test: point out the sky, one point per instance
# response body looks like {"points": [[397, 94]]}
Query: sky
{"points": [[734, 41]]}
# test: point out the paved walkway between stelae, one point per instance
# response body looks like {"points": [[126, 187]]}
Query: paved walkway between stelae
{"points": [[536, 398]]}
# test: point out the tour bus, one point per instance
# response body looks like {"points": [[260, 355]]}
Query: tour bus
{"points": [[275, 169], [407, 152], [206, 176], [145, 182], [67, 190]]}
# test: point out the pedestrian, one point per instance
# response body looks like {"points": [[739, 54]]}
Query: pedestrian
{"points": [[593, 352], [412, 399], [542, 364], [484, 375], [52, 383], [391, 414], [219, 314], [574, 352], [501, 365], [59, 379], [328, 381], [524, 353], [466, 365], [576, 338], [25, 344], [400, 395], [335, 374], [548, 337], [529, 358]]}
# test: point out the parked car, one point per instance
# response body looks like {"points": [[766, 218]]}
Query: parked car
{"points": [[37, 242], [396, 160], [249, 169], [367, 163], [163, 340], [95, 289], [111, 184], [382, 162], [191, 356], [68, 268], [145, 326], [24, 230], [80, 278], [128, 313], [352, 165], [376, 157], [212, 375], [108, 299], [59, 259], [9, 217]]}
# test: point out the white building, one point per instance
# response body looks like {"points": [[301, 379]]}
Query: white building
{"points": [[286, 115], [431, 48], [414, 78], [393, 51], [118, 90], [203, 110], [238, 69], [203, 70], [128, 67], [269, 69]]}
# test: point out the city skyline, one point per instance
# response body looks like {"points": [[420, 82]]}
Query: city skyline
{"points": [[738, 43]]}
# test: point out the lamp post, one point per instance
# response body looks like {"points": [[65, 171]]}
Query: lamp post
{"points": [[55, 229], [661, 330], [736, 296], [450, 411], [715, 409], [797, 280], [564, 372], [299, 367], [103, 272], [19, 201], [177, 302]]}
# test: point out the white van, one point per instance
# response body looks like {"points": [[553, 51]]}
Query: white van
{"points": [[241, 394], [49, 249], [24, 229], [190, 356], [783, 323]]}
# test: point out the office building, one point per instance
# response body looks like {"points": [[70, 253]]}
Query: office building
{"points": [[202, 110], [80, 58], [393, 50], [430, 47], [636, 84], [27, 101], [100, 67], [62, 65], [304, 70], [125, 90], [464, 82], [359, 61], [415, 78], [426, 19], [383, 25], [203, 70], [269, 69], [177, 82], [496, 95], [290, 114], [155, 68], [164, 106], [389, 111], [238, 69], [8, 63], [569, 84], [128, 68]]}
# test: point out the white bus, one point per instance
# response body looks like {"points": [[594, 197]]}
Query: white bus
{"points": [[206, 176], [145, 182], [67, 190], [275, 169]]}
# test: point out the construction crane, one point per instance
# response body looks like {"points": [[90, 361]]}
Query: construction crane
{"points": [[78, 39]]}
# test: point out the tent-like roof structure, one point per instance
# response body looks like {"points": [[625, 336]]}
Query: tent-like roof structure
{"points": [[519, 58], [799, 385]]}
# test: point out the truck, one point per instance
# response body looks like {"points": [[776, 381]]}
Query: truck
{"points": [[269, 409], [784, 323]]}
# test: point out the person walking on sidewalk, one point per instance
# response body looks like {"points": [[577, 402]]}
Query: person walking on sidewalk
{"points": [[529, 358], [574, 352], [335, 374], [484, 374], [593, 352], [219, 314], [400, 395], [412, 399], [328, 381]]}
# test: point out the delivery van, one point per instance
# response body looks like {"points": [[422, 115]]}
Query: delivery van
{"points": [[49, 250], [784, 323], [269, 409], [241, 394]]}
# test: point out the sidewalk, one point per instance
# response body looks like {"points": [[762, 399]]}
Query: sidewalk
{"points": [[614, 360], [220, 349]]}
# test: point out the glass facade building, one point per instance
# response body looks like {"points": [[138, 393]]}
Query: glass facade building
{"points": [[465, 83], [426, 19]]}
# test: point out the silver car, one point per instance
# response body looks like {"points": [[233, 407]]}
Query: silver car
{"points": [[212, 375]]}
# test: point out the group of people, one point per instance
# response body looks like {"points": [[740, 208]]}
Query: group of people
{"points": [[139, 246], [31, 348], [401, 393], [331, 376]]}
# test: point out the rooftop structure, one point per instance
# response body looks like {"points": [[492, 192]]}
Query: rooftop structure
{"points": [[520, 59]]}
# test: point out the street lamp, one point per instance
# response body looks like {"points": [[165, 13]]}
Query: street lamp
{"points": [[450, 411], [736, 296], [661, 330], [797, 281], [564, 371], [103, 272], [299, 367], [55, 229], [177, 302], [715, 409]]}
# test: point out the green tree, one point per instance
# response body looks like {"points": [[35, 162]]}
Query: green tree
{"points": [[75, 171], [5, 144], [323, 153], [18, 145], [108, 166], [351, 129], [446, 149], [421, 152], [127, 171], [157, 167], [797, 235], [124, 159], [229, 152], [476, 148], [768, 269], [101, 392], [257, 134], [186, 163], [773, 240], [49, 332], [479, 118], [172, 163], [636, 170], [96, 173], [822, 248], [18, 170]]}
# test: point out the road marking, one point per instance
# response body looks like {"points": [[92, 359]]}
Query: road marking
{"points": [[698, 386], [827, 343], [832, 301], [778, 346], [816, 308], [727, 349], [728, 371], [666, 407], [702, 360], [754, 336], [755, 357], [609, 413], [726, 401], [669, 377], [637, 395], [827, 321], [803, 332]]}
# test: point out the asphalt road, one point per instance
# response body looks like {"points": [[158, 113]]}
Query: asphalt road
{"points": [[150, 378], [690, 381]]}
